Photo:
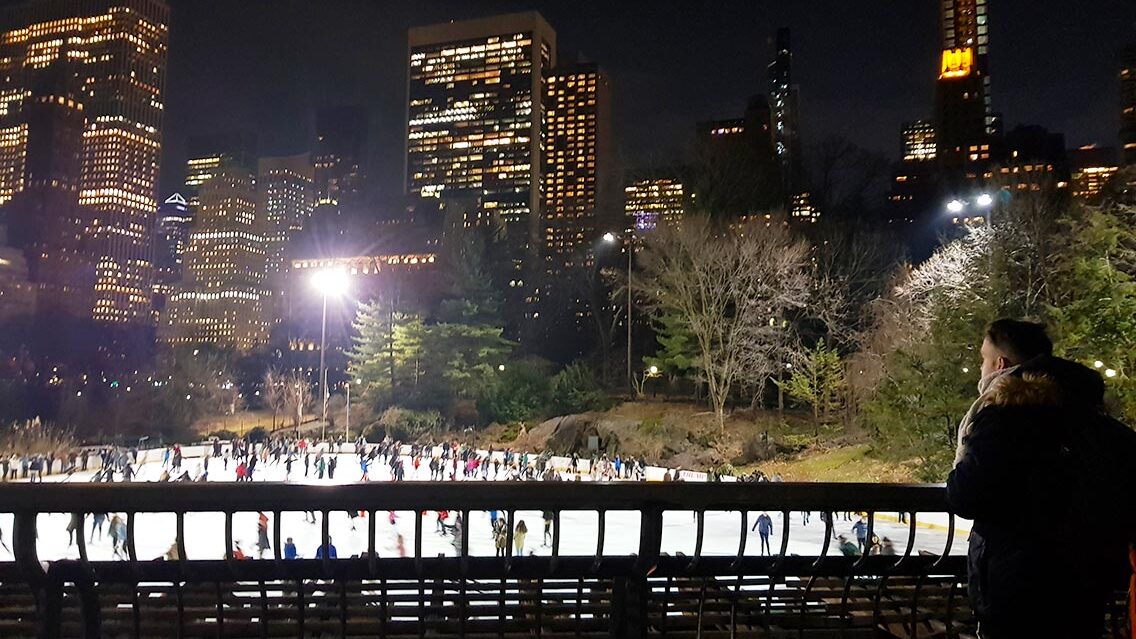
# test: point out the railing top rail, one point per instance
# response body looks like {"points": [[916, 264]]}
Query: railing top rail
{"points": [[230, 497]]}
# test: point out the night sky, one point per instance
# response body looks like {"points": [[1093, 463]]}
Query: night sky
{"points": [[863, 67]]}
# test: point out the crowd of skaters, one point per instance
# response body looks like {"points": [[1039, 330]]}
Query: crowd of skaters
{"points": [[33, 467]]}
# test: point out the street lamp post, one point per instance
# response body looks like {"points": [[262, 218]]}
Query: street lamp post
{"points": [[328, 282], [611, 238]]}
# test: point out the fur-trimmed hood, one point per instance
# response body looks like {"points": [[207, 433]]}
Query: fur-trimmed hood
{"points": [[1048, 382]]}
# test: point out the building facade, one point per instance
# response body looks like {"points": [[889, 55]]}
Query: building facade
{"points": [[475, 116], [105, 59], [223, 301], [964, 121], [172, 225], [577, 155], [285, 198], [783, 100], [650, 202], [1092, 168]]}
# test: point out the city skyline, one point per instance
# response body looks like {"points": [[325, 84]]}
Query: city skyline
{"points": [[845, 66]]}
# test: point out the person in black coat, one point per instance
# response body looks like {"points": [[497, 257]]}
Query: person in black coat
{"points": [[1039, 465]]}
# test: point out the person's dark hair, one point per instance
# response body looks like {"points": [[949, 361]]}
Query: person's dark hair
{"points": [[1021, 341]]}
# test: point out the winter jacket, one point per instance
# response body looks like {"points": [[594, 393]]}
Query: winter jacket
{"points": [[1050, 483]]}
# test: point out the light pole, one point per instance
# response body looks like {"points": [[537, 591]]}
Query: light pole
{"points": [[328, 282], [611, 238]]}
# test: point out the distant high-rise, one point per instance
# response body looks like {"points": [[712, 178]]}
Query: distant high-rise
{"points": [[171, 237], [915, 192], [207, 153], [964, 121], [340, 160], [577, 149], [919, 141], [1128, 105], [783, 109], [101, 63], [652, 201], [285, 199], [475, 113], [222, 300]]}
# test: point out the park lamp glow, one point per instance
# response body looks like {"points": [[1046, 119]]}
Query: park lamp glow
{"points": [[330, 281], [609, 237], [1098, 364], [985, 200], [956, 206], [1110, 373]]}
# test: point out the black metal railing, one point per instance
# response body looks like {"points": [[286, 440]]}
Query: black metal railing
{"points": [[918, 592]]}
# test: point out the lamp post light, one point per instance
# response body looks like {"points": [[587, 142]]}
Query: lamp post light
{"points": [[327, 282], [611, 238]]}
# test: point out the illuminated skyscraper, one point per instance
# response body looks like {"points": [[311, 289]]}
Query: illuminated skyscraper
{"points": [[1128, 105], [964, 120], [171, 238], [576, 163], [474, 118], [783, 109], [222, 299], [285, 198], [650, 202], [108, 59]]}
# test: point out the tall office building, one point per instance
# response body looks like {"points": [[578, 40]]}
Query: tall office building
{"points": [[783, 109], [285, 199], [1128, 105], [222, 299], [104, 59], [474, 124], [652, 201], [171, 238], [577, 156], [964, 121]]}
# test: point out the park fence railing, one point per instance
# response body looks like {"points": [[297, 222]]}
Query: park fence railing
{"points": [[917, 592]]}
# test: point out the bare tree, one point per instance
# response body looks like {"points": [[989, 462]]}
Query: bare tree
{"points": [[732, 287], [275, 394], [297, 397]]}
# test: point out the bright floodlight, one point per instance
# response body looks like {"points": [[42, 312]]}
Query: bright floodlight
{"points": [[1110, 373], [955, 206], [985, 200], [330, 281], [609, 237], [1098, 364], [654, 370]]}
